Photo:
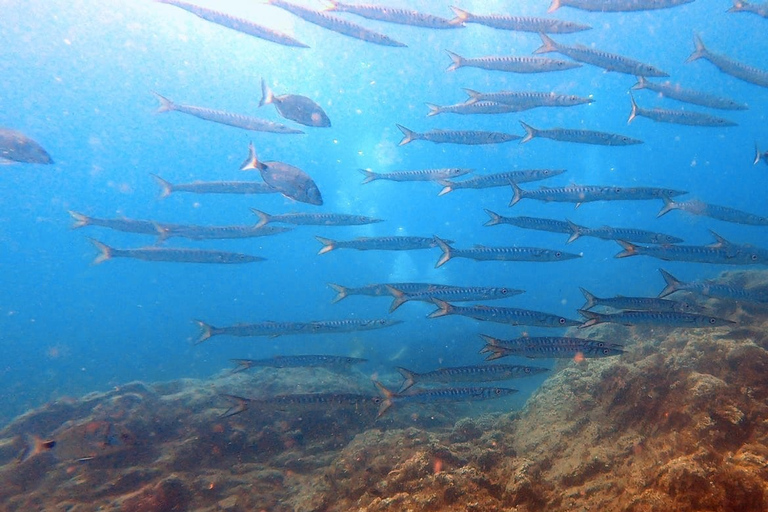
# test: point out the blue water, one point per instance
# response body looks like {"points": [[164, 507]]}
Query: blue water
{"points": [[78, 76]]}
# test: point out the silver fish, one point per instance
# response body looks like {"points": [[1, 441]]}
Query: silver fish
{"points": [[713, 211], [269, 328], [685, 117], [143, 227], [219, 232], [742, 6], [617, 5], [393, 15], [720, 291], [722, 252], [519, 23], [578, 136], [468, 137], [472, 108], [479, 373], [381, 290], [511, 316], [290, 181], [483, 253], [729, 66], [349, 325], [539, 224], [420, 175], [676, 92], [304, 361], [172, 255], [213, 187], [525, 100], [638, 303], [313, 219], [381, 243], [627, 234], [588, 193], [654, 318], [511, 64], [439, 396], [15, 147], [548, 347], [500, 179], [450, 293], [295, 107], [599, 58], [323, 401]]}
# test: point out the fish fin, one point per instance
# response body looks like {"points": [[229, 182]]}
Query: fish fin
{"points": [[495, 218], [166, 187], [758, 155], [642, 83], [446, 252], [629, 249], [474, 96], [264, 218], [495, 353], [669, 205], [517, 194], [328, 244], [434, 109], [592, 318], [409, 376], [166, 105], [719, 240], [530, 132], [548, 45], [267, 96], [34, 446], [458, 61], [673, 284], [444, 309], [575, 231], [341, 292], [489, 340], [241, 365], [461, 16], [591, 299], [105, 252], [633, 113], [399, 299], [555, 5], [700, 50], [240, 404], [408, 135], [447, 187], [369, 176], [163, 233], [206, 331], [252, 162], [80, 219], [387, 395]]}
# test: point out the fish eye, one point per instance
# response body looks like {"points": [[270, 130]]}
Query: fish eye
{"points": [[605, 351], [561, 321], [497, 391], [754, 257], [617, 190], [503, 291], [600, 344], [527, 370], [712, 320], [377, 399], [558, 254], [546, 172]]}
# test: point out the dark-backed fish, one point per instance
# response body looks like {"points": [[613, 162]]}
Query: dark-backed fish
{"points": [[442, 395], [722, 252], [511, 316], [627, 234], [268, 328], [239, 24], [335, 24], [716, 290], [578, 136], [295, 107], [599, 58], [637, 303], [301, 401], [654, 318], [304, 361], [548, 347], [537, 223], [468, 137], [524, 100], [420, 175], [313, 219], [15, 147], [290, 181], [349, 325], [228, 118], [172, 255], [382, 290], [473, 108], [478, 373], [142, 227], [686, 117], [213, 187], [742, 6], [676, 92], [518, 23], [616, 5], [379, 243], [511, 64], [450, 293], [588, 193], [724, 213], [483, 253], [729, 66], [393, 15], [193, 232], [500, 179]]}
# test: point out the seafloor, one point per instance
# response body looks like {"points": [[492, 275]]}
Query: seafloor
{"points": [[678, 423]]}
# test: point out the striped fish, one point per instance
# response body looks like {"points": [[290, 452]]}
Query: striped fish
{"points": [[589, 193], [617, 5], [500, 179], [444, 395], [511, 316], [722, 252], [420, 175], [219, 232], [171, 255], [382, 290], [381, 243], [313, 219], [473, 108], [654, 318], [349, 325], [450, 293], [214, 187], [393, 15], [539, 224], [519, 23], [627, 234], [676, 92], [713, 211], [685, 117], [511, 64], [480, 373], [548, 348], [468, 137], [729, 66], [719, 291], [525, 100], [142, 227], [268, 328], [323, 401], [578, 136], [638, 303], [483, 253], [303, 361]]}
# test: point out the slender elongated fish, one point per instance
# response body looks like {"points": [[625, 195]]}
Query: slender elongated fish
{"points": [[239, 24], [719, 291], [442, 395], [578, 136], [420, 175], [729, 66], [228, 118], [302, 401], [654, 318], [511, 316], [349, 325], [477, 107], [142, 227], [15, 147], [599, 58], [713, 211], [722, 252], [677, 92], [511, 64], [483, 253], [393, 15], [295, 107], [193, 232], [518, 23], [290, 181], [759, 155], [335, 24], [501, 179], [616, 5], [588, 193], [633, 235], [214, 187], [382, 290], [171, 255], [537, 223], [548, 347], [379, 243], [468, 137], [479, 373], [450, 293], [271, 329], [637, 303], [305, 361], [525, 100], [686, 117], [313, 219], [742, 6]]}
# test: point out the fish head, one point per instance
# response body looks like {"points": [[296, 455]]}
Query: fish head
{"points": [[313, 195]]}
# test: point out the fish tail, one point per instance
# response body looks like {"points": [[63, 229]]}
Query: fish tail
{"points": [[252, 162], [591, 299], [400, 298], [409, 376], [495, 353], [387, 395], [530, 132], [575, 231], [673, 284], [629, 249], [434, 109], [80, 219], [461, 16], [642, 83], [490, 342], [548, 45], [592, 318], [166, 105], [555, 5], [34, 446], [758, 155], [166, 187], [206, 331], [241, 365], [444, 309], [105, 252], [474, 96], [264, 218], [267, 96], [163, 232], [446, 252], [669, 205], [328, 244], [458, 61], [239, 404], [447, 187], [341, 292], [495, 218], [408, 135], [517, 194], [700, 50], [369, 176], [633, 113]]}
